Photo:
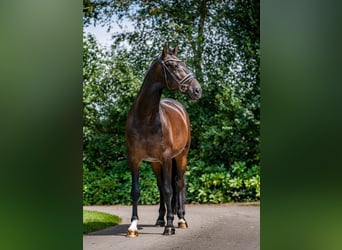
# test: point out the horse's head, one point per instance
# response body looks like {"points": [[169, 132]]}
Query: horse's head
{"points": [[178, 76]]}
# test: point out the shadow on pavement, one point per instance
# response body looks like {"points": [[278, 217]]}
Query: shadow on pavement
{"points": [[121, 230]]}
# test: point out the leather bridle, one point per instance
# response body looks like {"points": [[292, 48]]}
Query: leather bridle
{"points": [[182, 84]]}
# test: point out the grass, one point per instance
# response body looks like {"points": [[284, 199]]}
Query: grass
{"points": [[93, 221]]}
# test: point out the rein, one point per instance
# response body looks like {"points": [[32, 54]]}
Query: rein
{"points": [[182, 83]]}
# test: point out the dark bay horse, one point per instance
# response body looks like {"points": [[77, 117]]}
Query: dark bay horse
{"points": [[158, 131]]}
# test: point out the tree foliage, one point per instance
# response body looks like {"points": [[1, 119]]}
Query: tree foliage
{"points": [[109, 87], [218, 40]]}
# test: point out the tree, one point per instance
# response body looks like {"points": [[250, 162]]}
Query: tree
{"points": [[219, 40], [109, 87]]}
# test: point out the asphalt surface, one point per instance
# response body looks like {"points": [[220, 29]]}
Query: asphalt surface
{"points": [[227, 226]]}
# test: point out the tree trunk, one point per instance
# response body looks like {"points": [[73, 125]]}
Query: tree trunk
{"points": [[198, 45]]}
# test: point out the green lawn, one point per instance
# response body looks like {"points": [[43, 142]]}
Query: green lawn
{"points": [[93, 221]]}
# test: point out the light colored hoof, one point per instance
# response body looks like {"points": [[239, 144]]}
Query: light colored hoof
{"points": [[182, 224], [132, 234]]}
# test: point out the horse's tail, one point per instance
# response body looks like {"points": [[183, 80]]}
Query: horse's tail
{"points": [[173, 183]]}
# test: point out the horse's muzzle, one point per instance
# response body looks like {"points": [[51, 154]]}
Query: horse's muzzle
{"points": [[194, 91]]}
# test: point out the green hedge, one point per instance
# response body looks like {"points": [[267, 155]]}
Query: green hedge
{"points": [[205, 184], [113, 186], [215, 184]]}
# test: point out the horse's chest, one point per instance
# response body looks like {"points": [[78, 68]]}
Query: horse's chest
{"points": [[150, 147], [146, 137], [151, 142]]}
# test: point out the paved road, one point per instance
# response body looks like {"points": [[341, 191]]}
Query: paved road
{"points": [[228, 226]]}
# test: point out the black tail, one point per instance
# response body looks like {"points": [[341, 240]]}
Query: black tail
{"points": [[173, 183]]}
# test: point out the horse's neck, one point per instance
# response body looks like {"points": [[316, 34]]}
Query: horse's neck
{"points": [[147, 102]]}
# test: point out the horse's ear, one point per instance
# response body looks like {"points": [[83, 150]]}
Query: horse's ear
{"points": [[165, 50], [175, 50]]}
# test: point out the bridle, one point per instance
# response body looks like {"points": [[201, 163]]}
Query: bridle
{"points": [[182, 84]]}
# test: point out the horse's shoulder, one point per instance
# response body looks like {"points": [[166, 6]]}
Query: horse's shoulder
{"points": [[172, 109], [171, 102]]}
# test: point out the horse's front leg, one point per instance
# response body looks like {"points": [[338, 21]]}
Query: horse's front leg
{"points": [[135, 193], [157, 169], [167, 190]]}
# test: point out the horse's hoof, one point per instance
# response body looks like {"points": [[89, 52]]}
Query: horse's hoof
{"points": [[182, 224], [169, 231], [160, 223], [132, 234]]}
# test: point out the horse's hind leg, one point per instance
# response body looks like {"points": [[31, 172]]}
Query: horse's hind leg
{"points": [[168, 192], [181, 162], [157, 169]]}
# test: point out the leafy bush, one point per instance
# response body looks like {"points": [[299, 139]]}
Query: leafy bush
{"points": [[114, 186], [214, 184], [205, 184]]}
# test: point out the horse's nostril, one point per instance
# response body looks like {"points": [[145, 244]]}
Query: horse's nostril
{"points": [[197, 91]]}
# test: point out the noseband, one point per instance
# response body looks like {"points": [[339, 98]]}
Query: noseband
{"points": [[182, 84]]}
